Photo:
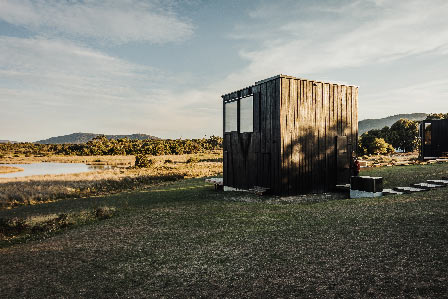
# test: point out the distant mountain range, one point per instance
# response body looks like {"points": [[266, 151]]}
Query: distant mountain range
{"points": [[85, 137], [363, 126], [370, 124]]}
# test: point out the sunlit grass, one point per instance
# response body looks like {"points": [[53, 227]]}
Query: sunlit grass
{"points": [[48, 188], [184, 239]]}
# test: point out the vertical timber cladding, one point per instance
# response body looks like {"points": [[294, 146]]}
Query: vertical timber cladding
{"points": [[296, 125], [235, 147], [266, 99], [312, 116], [253, 158]]}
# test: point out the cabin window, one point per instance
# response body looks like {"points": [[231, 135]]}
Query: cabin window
{"points": [[247, 114], [231, 114], [428, 134]]}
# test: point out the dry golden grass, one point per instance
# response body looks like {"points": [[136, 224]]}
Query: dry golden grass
{"points": [[9, 169], [109, 160], [46, 188]]}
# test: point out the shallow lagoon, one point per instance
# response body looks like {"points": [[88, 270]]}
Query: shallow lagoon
{"points": [[51, 168]]}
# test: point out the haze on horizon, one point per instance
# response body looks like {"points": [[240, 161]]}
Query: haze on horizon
{"points": [[160, 67]]}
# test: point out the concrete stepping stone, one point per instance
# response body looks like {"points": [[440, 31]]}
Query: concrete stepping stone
{"points": [[409, 189], [438, 182], [391, 192], [425, 186]]}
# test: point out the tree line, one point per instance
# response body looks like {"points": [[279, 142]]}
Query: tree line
{"points": [[100, 145], [402, 135]]}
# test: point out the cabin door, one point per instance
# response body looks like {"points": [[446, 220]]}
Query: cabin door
{"points": [[342, 160]]}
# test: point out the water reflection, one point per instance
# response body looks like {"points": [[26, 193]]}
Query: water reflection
{"points": [[51, 168]]}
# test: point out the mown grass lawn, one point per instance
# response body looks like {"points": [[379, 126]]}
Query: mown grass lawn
{"points": [[184, 239]]}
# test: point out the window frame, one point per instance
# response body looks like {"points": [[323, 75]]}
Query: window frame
{"points": [[238, 114], [252, 113], [427, 128]]}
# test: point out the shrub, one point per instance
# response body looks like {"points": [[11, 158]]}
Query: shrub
{"points": [[193, 160], [104, 213], [371, 144], [404, 135], [142, 161], [380, 146]]}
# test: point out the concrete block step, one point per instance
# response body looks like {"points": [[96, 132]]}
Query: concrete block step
{"points": [[409, 189], [438, 182], [425, 186], [391, 192]]}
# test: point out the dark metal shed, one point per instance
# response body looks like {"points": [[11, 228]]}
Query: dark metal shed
{"points": [[290, 135], [434, 137]]}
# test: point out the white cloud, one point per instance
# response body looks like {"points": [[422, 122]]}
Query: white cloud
{"points": [[116, 21], [63, 67], [60, 87], [78, 88], [428, 96], [312, 39]]}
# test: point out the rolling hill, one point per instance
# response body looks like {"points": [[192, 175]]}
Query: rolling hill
{"points": [[7, 141], [370, 124], [85, 137]]}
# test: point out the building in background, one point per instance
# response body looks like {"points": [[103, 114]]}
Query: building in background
{"points": [[434, 137]]}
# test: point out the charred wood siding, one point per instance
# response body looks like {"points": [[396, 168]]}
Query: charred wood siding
{"points": [[304, 134], [251, 159], [435, 145]]}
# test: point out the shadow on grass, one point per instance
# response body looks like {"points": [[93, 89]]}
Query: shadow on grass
{"points": [[15, 230]]}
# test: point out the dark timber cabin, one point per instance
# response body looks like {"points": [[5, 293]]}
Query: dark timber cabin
{"points": [[434, 136], [290, 135]]}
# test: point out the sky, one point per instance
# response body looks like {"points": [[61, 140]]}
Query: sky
{"points": [[160, 66]]}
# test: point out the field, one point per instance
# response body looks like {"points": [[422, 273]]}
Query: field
{"points": [[46, 188], [184, 239]]}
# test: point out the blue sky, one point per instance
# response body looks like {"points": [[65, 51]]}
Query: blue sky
{"points": [[160, 67]]}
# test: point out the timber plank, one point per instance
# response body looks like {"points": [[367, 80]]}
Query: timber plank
{"points": [[256, 111], [326, 106], [263, 118], [302, 128], [292, 182], [314, 137], [308, 136], [276, 156], [271, 124], [284, 133], [330, 139], [321, 137], [268, 114], [236, 154], [348, 127]]}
